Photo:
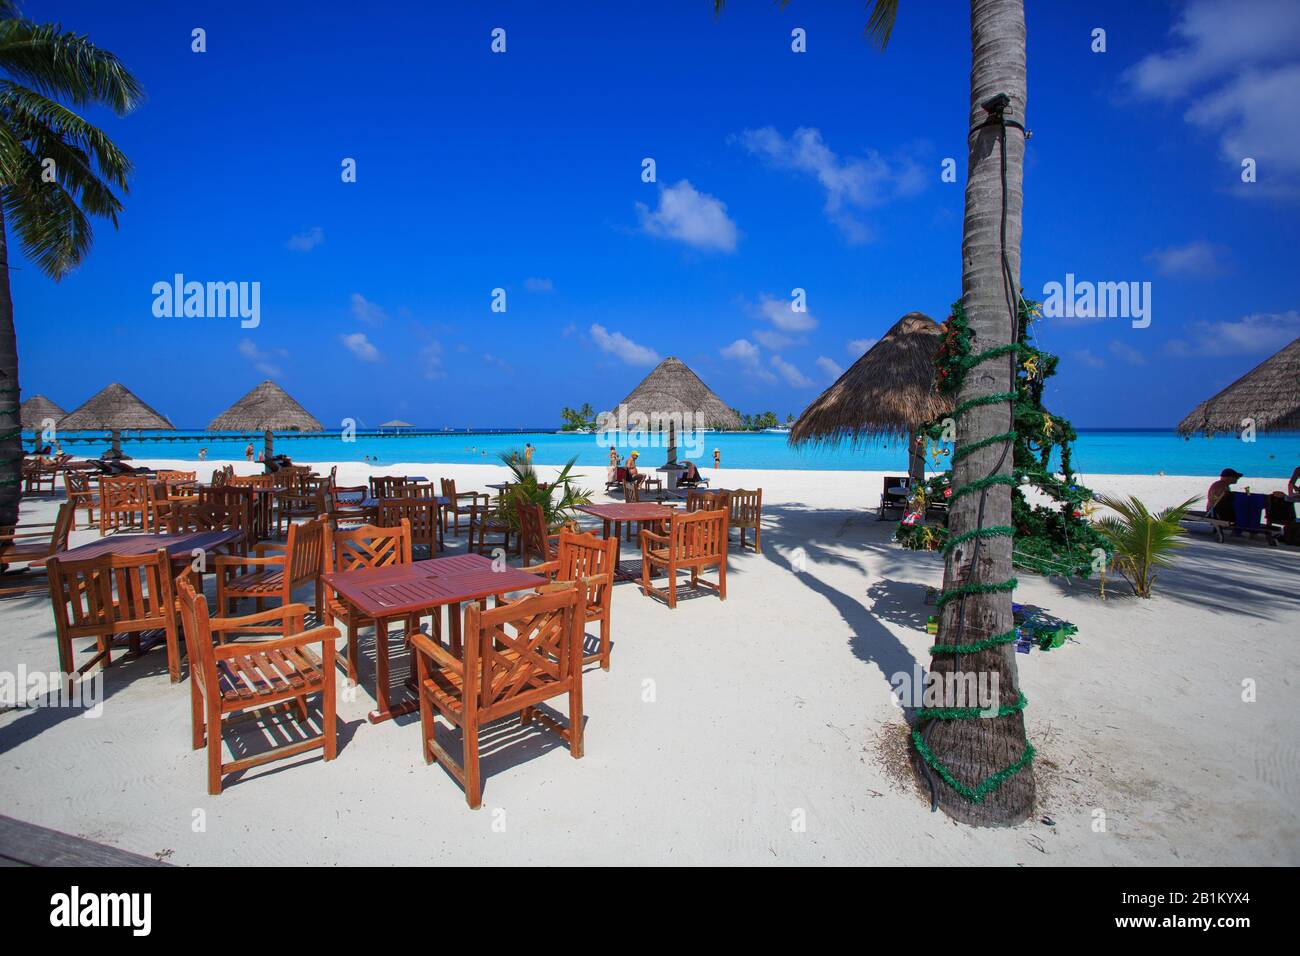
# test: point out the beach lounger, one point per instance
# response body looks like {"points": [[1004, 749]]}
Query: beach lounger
{"points": [[893, 495], [1250, 516]]}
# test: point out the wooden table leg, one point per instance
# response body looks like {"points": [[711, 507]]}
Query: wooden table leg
{"points": [[453, 628], [386, 710]]}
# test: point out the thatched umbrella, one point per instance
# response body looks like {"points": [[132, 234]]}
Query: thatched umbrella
{"points": [[33, 412], [268, 409], [396, 425], [1269, 395], [888, 392], [666, 396], [115, 409]]}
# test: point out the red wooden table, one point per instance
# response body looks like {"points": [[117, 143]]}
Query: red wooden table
{"points": [[614, 515], [180, 547], [422, 587]]}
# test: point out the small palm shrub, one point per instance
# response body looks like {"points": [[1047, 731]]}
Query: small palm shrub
{"points": [[1142, 541], [558, 499]]}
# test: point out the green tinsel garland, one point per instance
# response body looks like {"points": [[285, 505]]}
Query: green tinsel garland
{"points": [[960, 361]]}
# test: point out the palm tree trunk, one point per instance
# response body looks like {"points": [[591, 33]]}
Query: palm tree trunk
{"points": [[11, 436], [974, 749]]}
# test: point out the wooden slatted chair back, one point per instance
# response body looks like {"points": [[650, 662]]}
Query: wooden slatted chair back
{"points": [[419, 489], [532, 531], [195, 623], [110, 595], [235, 502], [421, 514], [367, 546], [707, 500], [631, 491], [305, 551], [63, 523], [585, 555], [252, 481], [524, 652], [203, 516], [119, 492], [699, 537], [386, 486], [77, 483]]}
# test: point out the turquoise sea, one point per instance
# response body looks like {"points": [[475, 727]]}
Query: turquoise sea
{"points": [[1097, 451]]}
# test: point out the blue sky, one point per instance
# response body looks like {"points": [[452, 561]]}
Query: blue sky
{"points": [[775, 170]]}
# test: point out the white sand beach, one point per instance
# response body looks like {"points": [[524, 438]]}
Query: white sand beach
{"points": [[721, 724]]}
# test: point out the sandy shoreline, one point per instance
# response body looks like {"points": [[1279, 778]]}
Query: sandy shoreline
{"points": [[769, 706]]}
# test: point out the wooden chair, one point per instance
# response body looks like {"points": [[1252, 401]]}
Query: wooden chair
{"points": [[593, 559], [365, 547], [38, 477], [701, 500], [535, 537], [454, 508], [275, 576], [242, 505], [632, 494], [747, 514], [15, 548], [386, 486], [515, 657], [209, 516], [118, 600], [421, 514], [121, 499], [82, 494], [305, 498], [485, 520], [168, 489], [693, 542], [248, 676]]}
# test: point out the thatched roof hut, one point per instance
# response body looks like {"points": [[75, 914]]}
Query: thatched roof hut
{"points": [[673, 389], [268, 409], [115, 409], [670, 397], [396, 424], [1269, 395], [888, 392], [36, 410]]}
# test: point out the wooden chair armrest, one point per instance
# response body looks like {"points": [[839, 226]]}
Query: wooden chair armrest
{"points": [[647, 535], [261, 617], [263, 546], [317, 635], [548, 568], [426, 645]]}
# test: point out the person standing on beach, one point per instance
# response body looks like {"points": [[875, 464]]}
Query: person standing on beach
{"points": [[528, 452], [203, 454], [248, 452], [717, 458]]}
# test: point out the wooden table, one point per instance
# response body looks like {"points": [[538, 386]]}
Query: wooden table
{"points": [[180, 547], [422, 587], [617, 514]]}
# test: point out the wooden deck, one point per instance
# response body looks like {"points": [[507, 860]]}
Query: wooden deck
{"points": [[26, 844]]}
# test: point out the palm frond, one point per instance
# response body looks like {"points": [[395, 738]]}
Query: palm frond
{"points": [[33, 114], [66, 65], [1142, 541], [53, 231], [880, 23]]}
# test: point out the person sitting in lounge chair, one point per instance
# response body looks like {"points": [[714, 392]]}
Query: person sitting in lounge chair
{"points": [[1293, 486], [633, 475], [1218, 500], [691, 476]]}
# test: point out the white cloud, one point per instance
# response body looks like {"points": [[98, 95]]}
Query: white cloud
{"points": [[620, 346], [1127, 353], [746, 354], [1236, 65], [772, 340], [361, 347], [262, 361], [851, 183], [1088, 358], [791, 374], [858, 347], [307, 240], [780, 313], [832, 368], [1197, 258], [690, 216], [1259, 334], [366, 311], [534, 284]]}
